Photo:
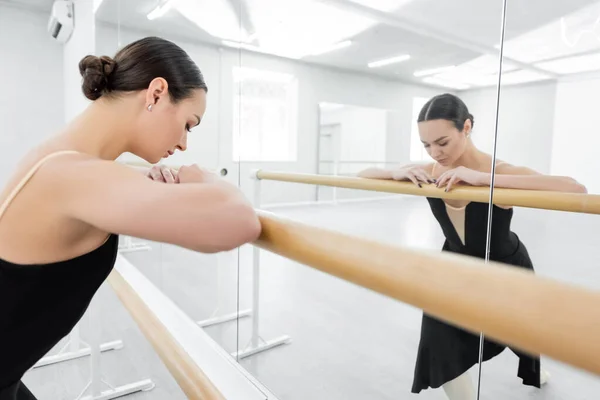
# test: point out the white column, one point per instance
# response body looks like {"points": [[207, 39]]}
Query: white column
{"points": [[81, 43]]}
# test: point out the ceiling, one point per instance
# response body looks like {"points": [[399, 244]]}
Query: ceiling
{"points": [[543, 39]]}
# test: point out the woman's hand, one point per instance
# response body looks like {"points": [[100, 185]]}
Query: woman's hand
{"points": [[160, 173], [462, 174], [195, 174], [415, 173]]}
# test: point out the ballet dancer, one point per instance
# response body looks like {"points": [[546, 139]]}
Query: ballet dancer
{"points": [[446, 352], [62, 210]]}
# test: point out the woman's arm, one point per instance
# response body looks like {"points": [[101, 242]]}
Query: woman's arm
{"points": [[420, 171], [513, 177], [375, 173], [206, 217]]}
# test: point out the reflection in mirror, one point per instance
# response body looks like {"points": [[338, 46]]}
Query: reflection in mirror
{"points": [[547, 141], [362, 84], [350, 139]]}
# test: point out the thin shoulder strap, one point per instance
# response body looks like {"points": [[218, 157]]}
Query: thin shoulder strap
{"points": [[28, 176]]}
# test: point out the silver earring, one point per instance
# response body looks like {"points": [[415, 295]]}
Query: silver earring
{"points": [[149, 107]]}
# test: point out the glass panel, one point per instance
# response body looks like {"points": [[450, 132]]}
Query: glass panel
{"points": [[337, 99], [547, 123]]}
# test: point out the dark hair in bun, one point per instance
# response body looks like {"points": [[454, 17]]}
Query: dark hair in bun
{"points": [[136, 65], [448, 107], [96, 72]]}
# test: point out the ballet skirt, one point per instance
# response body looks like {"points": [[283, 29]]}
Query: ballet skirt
{"points": [[445, 350]]}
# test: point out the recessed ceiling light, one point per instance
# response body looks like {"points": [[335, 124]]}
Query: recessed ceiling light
{"points": [[389, 61], [433, 71], [451, 85]]}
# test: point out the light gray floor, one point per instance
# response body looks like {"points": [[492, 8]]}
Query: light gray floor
{"points": [[348, 343]]}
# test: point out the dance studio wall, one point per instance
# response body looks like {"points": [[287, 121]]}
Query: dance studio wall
{"points": [[211, 142], [31, 99], [576, 135], [526, 123]]}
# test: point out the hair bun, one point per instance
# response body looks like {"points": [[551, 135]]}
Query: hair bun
{"points": [[96, 72]]}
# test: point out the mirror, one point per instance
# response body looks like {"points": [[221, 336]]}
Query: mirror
{"points": [[546, 125]]}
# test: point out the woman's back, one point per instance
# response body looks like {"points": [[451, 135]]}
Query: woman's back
{"points": [[44, 291]]}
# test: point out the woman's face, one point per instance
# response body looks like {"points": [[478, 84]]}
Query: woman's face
{"points": [[443, 142], [166, 125]]}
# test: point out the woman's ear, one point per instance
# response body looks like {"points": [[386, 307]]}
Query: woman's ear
{"points": [[157, 90], [468, 127]]}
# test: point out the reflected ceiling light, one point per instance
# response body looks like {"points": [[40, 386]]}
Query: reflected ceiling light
{"points": [[389, 61], [334, 47], [160, 10], [433, 71], [97, 4], [251, 47], [451, 85]]}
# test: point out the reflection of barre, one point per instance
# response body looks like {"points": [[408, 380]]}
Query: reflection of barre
{"points": [[141, 164], [257, 344], [128, 246], [574, 202], [513, 306]]}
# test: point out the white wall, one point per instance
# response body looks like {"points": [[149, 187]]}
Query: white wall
{"points": [[525, 126], [315, 85], [31, 99], [363, 132], [576, 134]]}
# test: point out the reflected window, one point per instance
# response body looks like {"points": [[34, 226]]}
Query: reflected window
{"points": [[417, 150], [264, 115]]}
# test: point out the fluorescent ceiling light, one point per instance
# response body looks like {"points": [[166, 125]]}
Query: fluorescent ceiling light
{"points": [[389, 61], [383, 5], [160, 10], [572, 65], [282, 26], [220, 22], [328, 49], [448, 84], [254, 48], [433, 71], [97, 4]]}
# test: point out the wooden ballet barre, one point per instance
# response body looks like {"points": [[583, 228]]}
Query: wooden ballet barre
{"points": [[513, 306], [141, 164], [573, 202], [184, 370]]}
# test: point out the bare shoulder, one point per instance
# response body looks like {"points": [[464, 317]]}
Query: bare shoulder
{"points": [[505, 168]]}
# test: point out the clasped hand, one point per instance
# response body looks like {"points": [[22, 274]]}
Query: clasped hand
{"points": [[417, 174], [185, 174]]}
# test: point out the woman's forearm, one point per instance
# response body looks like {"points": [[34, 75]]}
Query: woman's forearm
{"points": [[375, 173], [537, 182]]}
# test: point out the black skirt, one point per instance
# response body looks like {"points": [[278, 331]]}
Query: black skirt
{"points": [[447, 351]]}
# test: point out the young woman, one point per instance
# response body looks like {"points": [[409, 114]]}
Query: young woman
{"points": [[62, 210], [447, 352]]}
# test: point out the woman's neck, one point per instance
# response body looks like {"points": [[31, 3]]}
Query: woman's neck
{"points": [[471, 158], [99, 131]]}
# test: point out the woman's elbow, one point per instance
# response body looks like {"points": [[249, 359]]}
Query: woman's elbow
{"points": [[242, 227], [576, 187], [580, 188], [250, 227]]}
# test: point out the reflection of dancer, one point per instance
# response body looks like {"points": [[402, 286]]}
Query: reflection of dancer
{"points": [[63, 209], [446, 352]]}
